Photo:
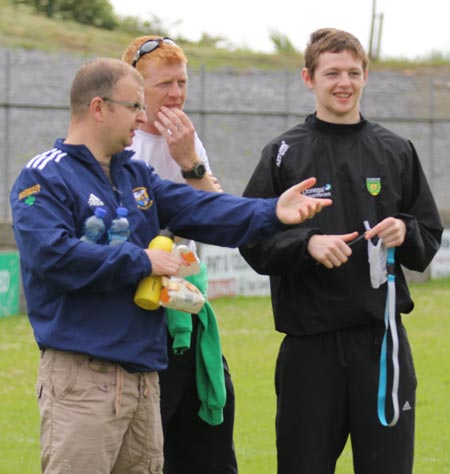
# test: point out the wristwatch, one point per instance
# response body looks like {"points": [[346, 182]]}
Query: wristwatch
{"points": [[197, 172]]}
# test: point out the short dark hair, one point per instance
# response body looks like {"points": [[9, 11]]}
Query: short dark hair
{"points": [[98, 77], [331, 40]]}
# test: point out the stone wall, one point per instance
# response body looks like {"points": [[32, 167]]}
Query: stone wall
{"points": [[235, 113]]}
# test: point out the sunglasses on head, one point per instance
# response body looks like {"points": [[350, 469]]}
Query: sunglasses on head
{"points": [[150, 46]]}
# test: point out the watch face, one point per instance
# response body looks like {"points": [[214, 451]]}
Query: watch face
{"points": [[199, 170]]}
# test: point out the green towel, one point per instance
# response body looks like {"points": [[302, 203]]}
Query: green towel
{"points": [[209, 364]]}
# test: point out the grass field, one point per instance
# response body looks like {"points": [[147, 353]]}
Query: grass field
{"points": [[250, 344]]}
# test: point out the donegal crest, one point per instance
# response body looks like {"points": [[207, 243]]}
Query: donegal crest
{"points": [[373, 185]]}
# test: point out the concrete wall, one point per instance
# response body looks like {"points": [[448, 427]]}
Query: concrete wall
{"points": [[235, 112]]}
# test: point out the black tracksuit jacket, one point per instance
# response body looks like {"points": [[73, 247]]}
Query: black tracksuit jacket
{"points": [[370, 173]]}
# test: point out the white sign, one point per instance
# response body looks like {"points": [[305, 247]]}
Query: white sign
{"points": [[440, 266], [230, 275]]}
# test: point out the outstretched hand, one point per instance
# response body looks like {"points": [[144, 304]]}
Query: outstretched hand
{"points": [[294, 207]]}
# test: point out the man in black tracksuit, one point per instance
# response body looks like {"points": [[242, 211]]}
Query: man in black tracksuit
{"points": [[328, 364]]}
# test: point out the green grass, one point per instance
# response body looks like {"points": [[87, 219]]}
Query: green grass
{"points": [[251, 345], [19, 419]]}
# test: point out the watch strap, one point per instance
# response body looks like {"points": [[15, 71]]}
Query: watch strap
{"points": [[197, 172]]}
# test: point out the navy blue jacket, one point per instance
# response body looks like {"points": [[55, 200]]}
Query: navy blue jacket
{"points": [[80, 295]]}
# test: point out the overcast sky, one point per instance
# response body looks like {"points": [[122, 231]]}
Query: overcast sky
{"points": [[411, 28]]}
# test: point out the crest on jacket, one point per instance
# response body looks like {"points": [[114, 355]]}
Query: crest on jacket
{"points": [[142, 198], [373, 185]]}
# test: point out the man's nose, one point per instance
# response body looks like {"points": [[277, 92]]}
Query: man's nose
{"points": [[344, 78], [142, 116], [175, 89]]}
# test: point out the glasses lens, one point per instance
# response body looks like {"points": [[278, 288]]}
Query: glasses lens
{"points": [[150, 46], [136, 106], [169, 41], [140, 107]]}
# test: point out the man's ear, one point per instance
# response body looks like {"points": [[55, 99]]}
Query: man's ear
{"points": [[307, 79], [96, 108]]}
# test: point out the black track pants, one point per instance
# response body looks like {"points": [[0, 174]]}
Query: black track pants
{"points": [[327, 390], [192, 446]]}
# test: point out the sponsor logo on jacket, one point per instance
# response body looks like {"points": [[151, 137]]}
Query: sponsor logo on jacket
{"points": [[95, 201], [284, 147], [319, 192], [29, 194]]}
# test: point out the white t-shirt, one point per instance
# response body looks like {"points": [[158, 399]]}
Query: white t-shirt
{"points": [[153, 150]]}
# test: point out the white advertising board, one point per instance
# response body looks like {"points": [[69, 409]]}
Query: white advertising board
{"points": [[230, 275], [440, 266]]}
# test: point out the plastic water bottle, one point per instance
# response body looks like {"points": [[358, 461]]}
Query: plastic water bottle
{"points": [[120, 227], [148, 292], [94, 227]]}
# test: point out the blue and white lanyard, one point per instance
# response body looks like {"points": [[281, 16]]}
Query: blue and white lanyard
{"points": [[390, 327]]}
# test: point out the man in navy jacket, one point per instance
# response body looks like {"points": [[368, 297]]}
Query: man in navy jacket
{"points": [[98, 385]]}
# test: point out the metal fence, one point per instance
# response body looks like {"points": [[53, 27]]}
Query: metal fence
{"points": [[235, 113]]}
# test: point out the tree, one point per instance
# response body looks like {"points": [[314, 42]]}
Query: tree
{"points": [[97, 13], [282, 43]]}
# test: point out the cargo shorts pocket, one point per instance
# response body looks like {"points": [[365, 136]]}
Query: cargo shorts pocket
{"points": [[39, 387], [102, 373], [156, 465], [63, 373]]}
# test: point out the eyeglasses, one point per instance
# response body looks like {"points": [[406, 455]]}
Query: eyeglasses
{"points": [[135, 106], [150, 46]]}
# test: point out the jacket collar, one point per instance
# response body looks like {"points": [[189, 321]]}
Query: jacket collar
{"points": [[82, 152], [335, 128]]}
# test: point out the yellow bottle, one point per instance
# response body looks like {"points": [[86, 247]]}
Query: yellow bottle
{"points": [[148, 292]]}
